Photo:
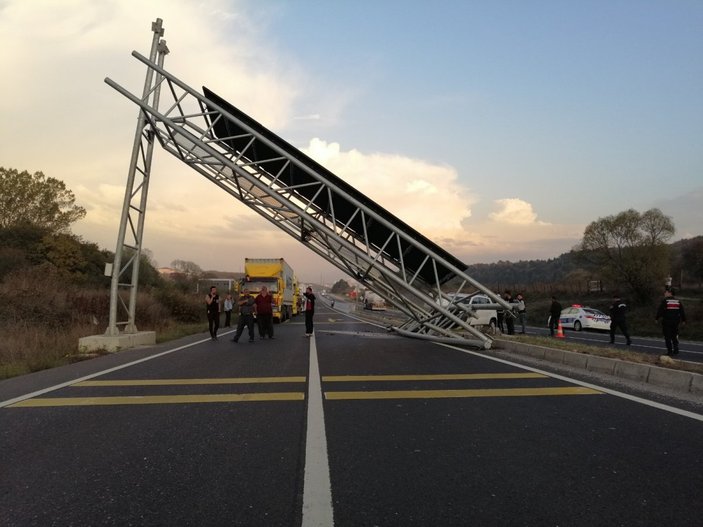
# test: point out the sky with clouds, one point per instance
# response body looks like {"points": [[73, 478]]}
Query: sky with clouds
{"points": [[498, 129]]}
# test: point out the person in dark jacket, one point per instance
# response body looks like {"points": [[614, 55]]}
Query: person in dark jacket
{"points": [[212, 303], [247, 307], [554, 315], [618, 309], [309, 310], [671, 313]]}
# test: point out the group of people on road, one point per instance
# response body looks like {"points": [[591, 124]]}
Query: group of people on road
{"points": [[252, 311], [259, 310], [508, 322], [670, 314]]}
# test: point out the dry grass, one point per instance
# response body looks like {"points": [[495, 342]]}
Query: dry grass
{"points": [[42, 317], [26, 349]]}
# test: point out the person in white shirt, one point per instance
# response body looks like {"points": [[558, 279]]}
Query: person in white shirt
{"points": [[228, 305]]}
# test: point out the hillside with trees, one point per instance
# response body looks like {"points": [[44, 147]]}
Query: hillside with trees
{"points": [[52, 284], [570, 272], [627, 252]]}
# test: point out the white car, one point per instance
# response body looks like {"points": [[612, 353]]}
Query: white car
{"points": [[579, 317], [484, 317]]}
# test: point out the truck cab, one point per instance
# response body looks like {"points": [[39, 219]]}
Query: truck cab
{"points": [[277, 276]]}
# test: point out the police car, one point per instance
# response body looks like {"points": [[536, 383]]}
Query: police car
{"points": [[579, 317]]}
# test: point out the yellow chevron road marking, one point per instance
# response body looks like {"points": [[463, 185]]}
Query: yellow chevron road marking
{"points": [[442, 394], [159, 399], [432, 377]]}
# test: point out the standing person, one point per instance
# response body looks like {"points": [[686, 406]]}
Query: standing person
{"points": [[228, 305], [212, 301], [501, 315], [554, 314], [264, 312], [617, 319], [521, 311], [309, 310], [247, 307], [671, 312], [509, 318]]}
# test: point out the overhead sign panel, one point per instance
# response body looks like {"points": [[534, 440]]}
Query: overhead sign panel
{"points": [[304, 177]]}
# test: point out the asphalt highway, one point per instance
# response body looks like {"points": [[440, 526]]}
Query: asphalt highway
{"points": [[352, 427]]}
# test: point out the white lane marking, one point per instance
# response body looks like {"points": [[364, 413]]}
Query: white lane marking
{"points": [[633, 398], [317, 488], [98, 374]]}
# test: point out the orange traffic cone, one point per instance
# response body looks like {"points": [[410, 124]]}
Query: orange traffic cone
{"points": [[560, 332]]}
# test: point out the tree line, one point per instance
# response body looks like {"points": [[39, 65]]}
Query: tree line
{"points": [[628, 251], [580, 272]]}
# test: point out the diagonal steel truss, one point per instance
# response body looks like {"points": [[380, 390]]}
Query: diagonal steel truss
{"points": [[185, 127]]}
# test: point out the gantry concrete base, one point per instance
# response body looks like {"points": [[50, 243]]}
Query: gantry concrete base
{"points": [[116, 343]]}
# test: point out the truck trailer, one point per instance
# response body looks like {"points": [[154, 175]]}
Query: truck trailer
{"points": [[277, 276]]}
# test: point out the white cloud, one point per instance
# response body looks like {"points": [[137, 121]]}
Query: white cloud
{"points": [[427, 196], [67, 122], [515, 211], [431, 199], [61, 118], [58, 116]]}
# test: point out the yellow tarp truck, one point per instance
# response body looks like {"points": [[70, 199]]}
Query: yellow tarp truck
{"points": [[277, 276]]}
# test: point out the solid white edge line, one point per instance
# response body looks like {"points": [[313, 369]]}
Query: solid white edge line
{"points": [[10, 402], [616, 393], [317, 488]]}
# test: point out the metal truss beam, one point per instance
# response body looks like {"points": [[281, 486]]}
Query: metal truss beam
{"points": [[258, 171]]}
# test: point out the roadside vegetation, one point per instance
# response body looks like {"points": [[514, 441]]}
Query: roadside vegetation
{"points": [[52, 287], [43, 313]]}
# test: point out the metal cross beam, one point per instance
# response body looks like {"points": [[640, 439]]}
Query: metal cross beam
{"points": [[313, 206]]}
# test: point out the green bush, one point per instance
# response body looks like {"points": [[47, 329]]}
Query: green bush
{"points": [[182, 307]]}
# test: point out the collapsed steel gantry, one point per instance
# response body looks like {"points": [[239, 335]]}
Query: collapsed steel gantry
{"points": [[296, 194]]}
